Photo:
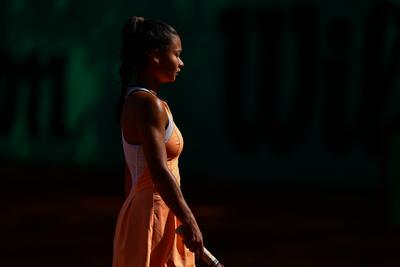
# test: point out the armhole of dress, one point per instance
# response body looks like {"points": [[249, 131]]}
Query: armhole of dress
{"points": [[126, 141]]}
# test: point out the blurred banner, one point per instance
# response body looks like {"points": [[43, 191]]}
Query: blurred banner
{"points": [[271, 90]]}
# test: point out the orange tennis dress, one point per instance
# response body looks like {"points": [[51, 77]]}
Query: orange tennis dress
{"points": [[145, 231]]}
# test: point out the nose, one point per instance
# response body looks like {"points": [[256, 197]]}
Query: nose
{"points": [[181, 64]]}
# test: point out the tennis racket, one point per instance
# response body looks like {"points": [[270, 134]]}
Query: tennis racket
{"points": [[207, 257]]}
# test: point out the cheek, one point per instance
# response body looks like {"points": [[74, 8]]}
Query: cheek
{"points": [[172, 66], [174, 62]]}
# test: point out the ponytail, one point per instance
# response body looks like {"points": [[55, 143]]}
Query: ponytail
{"points": [[127, 55]]}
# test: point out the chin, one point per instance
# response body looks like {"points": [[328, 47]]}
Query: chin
{"points": [[170, 80]]}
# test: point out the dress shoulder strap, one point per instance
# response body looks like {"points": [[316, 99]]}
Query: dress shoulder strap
{"points": [[132, 89]]}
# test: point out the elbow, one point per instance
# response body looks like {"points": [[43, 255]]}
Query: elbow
{"points": [[160, 175]]}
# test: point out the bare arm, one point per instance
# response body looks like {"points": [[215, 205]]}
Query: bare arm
{"points": [[151, 119]]}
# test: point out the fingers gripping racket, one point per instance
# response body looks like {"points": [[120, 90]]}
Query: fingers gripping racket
{"points": [[207, 257]]}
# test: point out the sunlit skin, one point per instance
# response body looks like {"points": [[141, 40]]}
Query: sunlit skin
{"points": [[144, 120]]}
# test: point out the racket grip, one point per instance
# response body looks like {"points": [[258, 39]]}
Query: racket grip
{"points": [[207, 257]]}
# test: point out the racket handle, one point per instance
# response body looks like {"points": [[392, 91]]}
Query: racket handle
{"points": [[207, 257]]}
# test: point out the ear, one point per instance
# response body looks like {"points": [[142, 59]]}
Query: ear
{"points": [[154, 56]]}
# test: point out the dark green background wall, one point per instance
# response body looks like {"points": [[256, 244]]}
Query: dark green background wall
{"points": [[292, 91]]}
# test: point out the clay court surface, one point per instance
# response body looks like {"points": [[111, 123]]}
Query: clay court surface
{"points": [[65, 218]]}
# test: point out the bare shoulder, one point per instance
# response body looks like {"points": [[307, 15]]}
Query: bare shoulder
{"points": [[145, 106]]}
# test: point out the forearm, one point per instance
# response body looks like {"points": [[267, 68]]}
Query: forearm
{"points": [[171, 193]]}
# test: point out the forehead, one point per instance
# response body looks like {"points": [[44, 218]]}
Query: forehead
{"points": [[175, 43]]}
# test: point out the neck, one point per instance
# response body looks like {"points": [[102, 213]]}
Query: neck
{"points": [[148, 81]]}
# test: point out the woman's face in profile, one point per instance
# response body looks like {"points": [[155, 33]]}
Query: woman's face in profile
{"points": [[170, 63]]}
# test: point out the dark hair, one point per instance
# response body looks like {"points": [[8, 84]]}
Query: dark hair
{"points": [[139, 36]]}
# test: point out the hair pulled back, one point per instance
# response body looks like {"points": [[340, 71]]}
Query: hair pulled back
{"points": [[139, 37]]}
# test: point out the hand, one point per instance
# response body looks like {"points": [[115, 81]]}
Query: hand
{"points": [[192, 238]]}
